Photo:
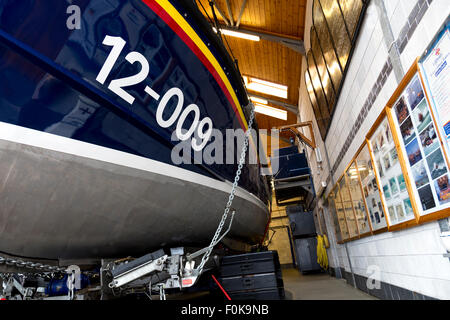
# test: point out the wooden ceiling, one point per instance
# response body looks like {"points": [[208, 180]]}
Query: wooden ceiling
{"points": [[267, 60]]}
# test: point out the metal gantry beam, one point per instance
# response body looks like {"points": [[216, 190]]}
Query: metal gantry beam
{"points": [[289, 107], [230, 13], [241, 13], [221, 13], [293, 43], [294, 129]]}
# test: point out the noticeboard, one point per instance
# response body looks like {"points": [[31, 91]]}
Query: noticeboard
{"points": [[371, 190], [426, 164], [435, 67], [389, 174]]}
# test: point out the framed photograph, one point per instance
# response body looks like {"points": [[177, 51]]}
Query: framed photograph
{"points": [[400, 212], [420, 175], [388, 134], [415, 93], [422, 116], [380, 168], [392, 216], [386, 162], [436, 164], [407, 131], [375, 185], [401, 110], [408, 207], [443, 189], [386, 192], [401, 183], [426, 198], [393, 186], [413, 152], [380, 207], [429, 140], [394, 156]]}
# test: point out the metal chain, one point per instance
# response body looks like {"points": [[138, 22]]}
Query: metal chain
{"points": [[29, 265], [233, 191]]}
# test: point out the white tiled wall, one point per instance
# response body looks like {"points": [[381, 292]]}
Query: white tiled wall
{"points": [[413, 258]]}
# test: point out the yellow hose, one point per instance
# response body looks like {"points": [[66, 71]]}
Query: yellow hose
{"points": [[322, 257]]}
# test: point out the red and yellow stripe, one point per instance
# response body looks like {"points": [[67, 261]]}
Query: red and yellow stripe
{"points": [[167, 12]]}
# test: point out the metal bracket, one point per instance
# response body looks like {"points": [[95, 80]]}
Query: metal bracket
{"points": [[294, 129]]}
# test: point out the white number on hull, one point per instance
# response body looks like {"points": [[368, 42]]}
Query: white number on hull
{"points": [[203, 127]]}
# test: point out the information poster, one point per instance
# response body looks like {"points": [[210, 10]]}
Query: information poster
{"points": [[427, 167], [371, 190], [388, 169], [436, 70]]}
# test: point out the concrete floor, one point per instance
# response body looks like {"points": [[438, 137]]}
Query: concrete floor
{"points": [[319, 287]]}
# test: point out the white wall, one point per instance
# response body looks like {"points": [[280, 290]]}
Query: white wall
{"points": [[413, 258]]}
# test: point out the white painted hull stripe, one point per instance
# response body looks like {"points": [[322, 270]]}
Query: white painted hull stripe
{"points": [[35, 138]]}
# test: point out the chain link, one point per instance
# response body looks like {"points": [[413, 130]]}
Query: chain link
{"points": [[205, 257], [29, 265]]}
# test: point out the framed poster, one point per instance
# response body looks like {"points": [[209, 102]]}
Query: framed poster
{"points": [[371, 190], [389, 174], [356, 195], [435, 69], [347, 204], [420, 143]]}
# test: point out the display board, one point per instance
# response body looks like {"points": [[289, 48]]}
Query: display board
{"points": [[395, 196], [340, 215], [356, 195], [371, 190], [348, 208], [403, 168], [435, 67], [420, 143]]}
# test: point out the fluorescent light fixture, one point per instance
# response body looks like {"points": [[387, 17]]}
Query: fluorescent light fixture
{"points": [[259, 100], [266, 87], [238, 34], [271, 112]]}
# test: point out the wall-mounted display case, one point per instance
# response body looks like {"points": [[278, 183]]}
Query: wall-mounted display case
{"points": [[421, 145], [435, 69], [389, 174], [371, 190], [348, 208], [435, 73], [356, 195], [400, 176], [340, 222]]}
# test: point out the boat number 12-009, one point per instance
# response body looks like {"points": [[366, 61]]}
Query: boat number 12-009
{"points": [[203, 127]]}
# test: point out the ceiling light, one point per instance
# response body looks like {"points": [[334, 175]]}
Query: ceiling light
{"points": [[271, 112], [238, 34], [259, 100], [266, 87]]}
